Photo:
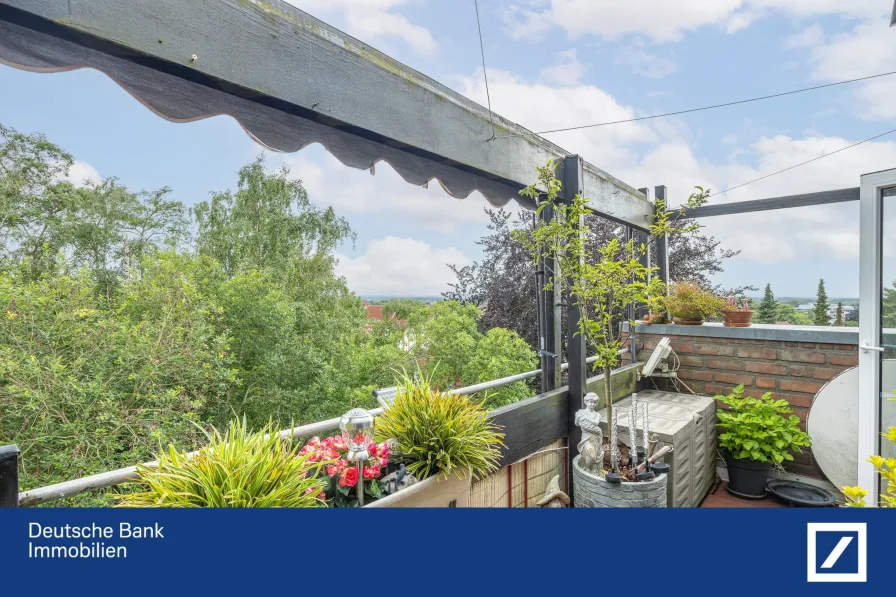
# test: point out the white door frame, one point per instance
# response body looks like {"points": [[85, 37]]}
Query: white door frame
{"points": [[870, 290]]}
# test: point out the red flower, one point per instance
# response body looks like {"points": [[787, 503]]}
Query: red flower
{"points": [[372, 472], [331, 453], [359, 438], [349, 477], [338, 442], [371, 449], [314, 441]]}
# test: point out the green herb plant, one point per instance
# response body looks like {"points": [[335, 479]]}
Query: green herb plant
{"points": [[757, 428], [439, 433], [605, 284], [239, 469]]}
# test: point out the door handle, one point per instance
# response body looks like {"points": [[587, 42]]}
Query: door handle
{"points": [[867, 347]]}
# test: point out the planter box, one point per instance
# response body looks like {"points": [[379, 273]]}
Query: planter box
{"points": [[433, 492], [594, 492]]}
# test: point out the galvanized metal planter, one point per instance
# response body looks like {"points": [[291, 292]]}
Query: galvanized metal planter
{"points": [[591, 491]]}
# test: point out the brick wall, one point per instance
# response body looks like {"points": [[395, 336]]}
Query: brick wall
{"points": [[794, 371]]}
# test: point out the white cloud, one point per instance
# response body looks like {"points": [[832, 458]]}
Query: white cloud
{"points": [[566, 71], [400, 266], [662, 20], [867, 50], [646, 65], [356, 192], [370, 20], [81, 174], [808, 37]]}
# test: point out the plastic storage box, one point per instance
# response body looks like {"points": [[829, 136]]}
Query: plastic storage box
{"points": [[686, 422]]}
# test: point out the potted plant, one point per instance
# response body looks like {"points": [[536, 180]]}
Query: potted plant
{"points": [[690, 304], [604, 283], [757, 435], [443, 438], [340, 477], [886, 468], [737, 313]]}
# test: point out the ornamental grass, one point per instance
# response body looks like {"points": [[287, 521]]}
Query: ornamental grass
{"points": [[239, 469], [439, 433]]}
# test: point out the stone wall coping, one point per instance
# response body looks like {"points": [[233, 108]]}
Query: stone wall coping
{"points": [[759, 331]]}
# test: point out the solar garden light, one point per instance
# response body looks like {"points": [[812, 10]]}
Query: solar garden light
{"points": [[357, 431]]}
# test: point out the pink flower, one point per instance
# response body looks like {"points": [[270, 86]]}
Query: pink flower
{"points": [[332, 470], [331, 453], [371, 449], [371, 472], [349, 477], [339, 443], [314, 441]]}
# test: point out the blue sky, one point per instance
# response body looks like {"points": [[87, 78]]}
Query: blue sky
{"points": [[555, 63]]}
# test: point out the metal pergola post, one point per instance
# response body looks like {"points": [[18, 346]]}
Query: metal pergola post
{"points": [[662, 242], [573, 184], [548, 344]]}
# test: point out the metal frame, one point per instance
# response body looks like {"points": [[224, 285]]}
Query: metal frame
{"points": [[870, 351], [785, 202]]}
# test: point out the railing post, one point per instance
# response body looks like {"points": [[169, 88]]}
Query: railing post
{"points": [[573, 184], [9, 476], [548, 348]]}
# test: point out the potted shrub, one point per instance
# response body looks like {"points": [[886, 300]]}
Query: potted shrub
{"points": [[442, 437], [737, 313], [603, 283], [690, 304], [886, 468], [756, 436]]}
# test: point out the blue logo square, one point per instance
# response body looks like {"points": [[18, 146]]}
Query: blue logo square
{"points": [[830, 551]]}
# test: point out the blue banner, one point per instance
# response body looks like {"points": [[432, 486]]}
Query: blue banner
{"points": [[756, 552]]}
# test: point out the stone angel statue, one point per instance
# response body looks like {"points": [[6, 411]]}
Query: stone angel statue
{"points": [[591, 448]]}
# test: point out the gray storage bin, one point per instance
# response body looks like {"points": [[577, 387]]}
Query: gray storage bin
{"points": [[686, 422]]}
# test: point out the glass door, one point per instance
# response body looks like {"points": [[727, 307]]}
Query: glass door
{"points": [[877, 323]]}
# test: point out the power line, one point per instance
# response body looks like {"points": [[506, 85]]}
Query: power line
{"points": [[484, 72], [744, 101], [804, 163]]}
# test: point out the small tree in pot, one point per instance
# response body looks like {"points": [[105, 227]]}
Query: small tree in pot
{"points": [[690, 304], [605, 284], [757, 436]]}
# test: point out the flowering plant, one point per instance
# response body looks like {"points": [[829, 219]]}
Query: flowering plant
{"points": [[737, 304], [341, 475]]}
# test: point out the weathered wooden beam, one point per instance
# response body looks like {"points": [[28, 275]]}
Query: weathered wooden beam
{"points": [[785, 202], [268, 51]]}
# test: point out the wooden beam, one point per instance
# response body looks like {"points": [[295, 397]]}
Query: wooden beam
{"points": [[269, 50], [785, 202]]}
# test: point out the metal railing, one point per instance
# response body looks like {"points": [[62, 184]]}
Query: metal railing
{"points": [[58, 491]]}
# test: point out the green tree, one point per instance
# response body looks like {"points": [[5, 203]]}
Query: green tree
{"points": [[820, 314], [838, 321], [444, 336], [888, 307], [402, 308], [500, 353], [787, 312], [768, 308]]}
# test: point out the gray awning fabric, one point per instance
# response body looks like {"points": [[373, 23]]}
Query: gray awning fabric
{"points": [[180, 99]]}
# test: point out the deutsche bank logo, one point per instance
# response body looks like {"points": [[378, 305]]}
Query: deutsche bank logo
{"points": [[837, 552]]}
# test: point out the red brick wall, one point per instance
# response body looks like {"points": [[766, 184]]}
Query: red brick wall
{"points": [[794, 371]]}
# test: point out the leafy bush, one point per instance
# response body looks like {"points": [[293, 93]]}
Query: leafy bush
{"points": [[755, 428], [440, 433], [237, 470], [687, 300]]}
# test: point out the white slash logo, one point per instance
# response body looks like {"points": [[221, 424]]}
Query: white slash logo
{"points": [[827, 571]]}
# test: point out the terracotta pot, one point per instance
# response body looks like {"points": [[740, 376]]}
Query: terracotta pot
{"points": [[656, 318], [738, 319], [682, 321]]}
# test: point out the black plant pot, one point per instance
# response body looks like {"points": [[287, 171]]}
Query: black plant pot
{"points": [[746, 478]]}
